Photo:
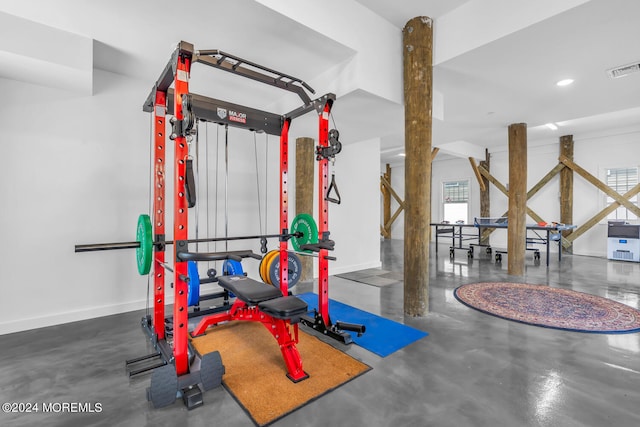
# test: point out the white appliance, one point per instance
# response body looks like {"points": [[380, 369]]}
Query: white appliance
{"points": [[623, 241]]}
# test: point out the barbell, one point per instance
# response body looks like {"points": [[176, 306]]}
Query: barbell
{"points": [[304, 231]]}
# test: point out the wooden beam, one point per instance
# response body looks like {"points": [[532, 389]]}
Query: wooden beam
{"points": [[386, 201], [474, 166], [485, 173], [566, 189], [485, 199], [434, 153], [537, 218], [493, 180], [388, 186], [305, 163], [388, 221], [388, 224], [384, 233], [418, 100], [517, 216], [544, 180], [601, 186], [600, 215], [503, 189]]}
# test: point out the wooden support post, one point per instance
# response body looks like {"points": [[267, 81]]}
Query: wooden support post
{"points": [[305, 163], [566, 187], [517, 216], [485, 201], [418, 82], [386, 203]]}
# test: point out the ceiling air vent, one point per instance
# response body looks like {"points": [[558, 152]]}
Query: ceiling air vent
{"points": [[624, 70]]}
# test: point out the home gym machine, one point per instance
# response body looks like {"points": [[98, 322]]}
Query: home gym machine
{"points": [[180, 370]]}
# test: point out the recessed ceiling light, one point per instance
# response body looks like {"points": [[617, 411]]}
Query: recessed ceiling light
{"points": [[551, 126], [565, 82], [402, 155]]}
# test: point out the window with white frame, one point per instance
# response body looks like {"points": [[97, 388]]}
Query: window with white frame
{"points": [[622, 180], [455, 201]]}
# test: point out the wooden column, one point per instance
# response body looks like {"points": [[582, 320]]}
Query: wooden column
{"points": [[566, 187], [305, 162], [517, 216], [386, 203], [485, 201], [418, 81]]}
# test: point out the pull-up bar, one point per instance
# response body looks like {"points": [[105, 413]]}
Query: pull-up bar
{"points": [[233, 64]]}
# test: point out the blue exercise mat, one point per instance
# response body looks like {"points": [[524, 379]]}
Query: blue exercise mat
{"points": [[382, 336]]}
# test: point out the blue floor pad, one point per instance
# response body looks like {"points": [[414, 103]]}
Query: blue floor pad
{"points": [[382, 336]]}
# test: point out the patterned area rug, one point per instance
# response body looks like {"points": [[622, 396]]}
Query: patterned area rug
{"points": [[550, 307]]}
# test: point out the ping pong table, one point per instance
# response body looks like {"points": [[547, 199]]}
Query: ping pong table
{"points": [[540, 235]]}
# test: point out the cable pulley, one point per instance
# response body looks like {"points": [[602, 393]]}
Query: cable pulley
{"points": [[185, 126], [335, 147]]}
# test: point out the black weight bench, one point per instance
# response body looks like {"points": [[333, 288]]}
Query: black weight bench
{"points": [[248, 290], [268, 298]]}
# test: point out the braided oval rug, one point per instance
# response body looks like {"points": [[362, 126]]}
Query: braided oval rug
{"points": [[555, 308]]}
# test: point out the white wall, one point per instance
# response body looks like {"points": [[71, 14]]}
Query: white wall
{"points": [[594, 153], [353, 221], [76, 171]]}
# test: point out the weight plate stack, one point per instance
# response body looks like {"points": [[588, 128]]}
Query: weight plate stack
{"points": [[294, 267]]}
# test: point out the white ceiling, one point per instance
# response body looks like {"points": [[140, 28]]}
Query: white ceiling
{"points": [[508, 80]]}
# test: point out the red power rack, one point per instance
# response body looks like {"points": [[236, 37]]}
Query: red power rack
{"points": [[281, 318]]}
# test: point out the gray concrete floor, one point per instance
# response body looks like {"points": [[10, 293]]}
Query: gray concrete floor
{"points": [[472, 370]]}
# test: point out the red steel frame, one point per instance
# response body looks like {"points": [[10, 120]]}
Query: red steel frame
{"points": [[180, 224], [279, 328], [284, 206], [159, 127], [323, 216]]}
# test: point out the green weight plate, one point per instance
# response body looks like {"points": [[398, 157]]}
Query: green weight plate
{"points": [[305, 224], [144, 253]]}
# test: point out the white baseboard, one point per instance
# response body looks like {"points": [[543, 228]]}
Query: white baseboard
{"points": [[70, 316]]}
